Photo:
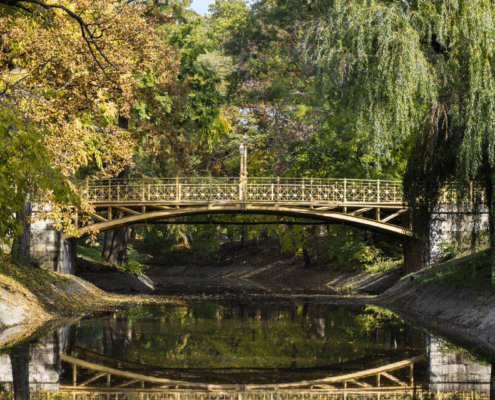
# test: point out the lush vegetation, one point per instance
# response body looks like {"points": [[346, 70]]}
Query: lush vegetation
{"points": [[323, 88]]}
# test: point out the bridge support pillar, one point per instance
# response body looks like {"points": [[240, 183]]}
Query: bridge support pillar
{"points": [[416, 256], [449, 222], [50, 250]]}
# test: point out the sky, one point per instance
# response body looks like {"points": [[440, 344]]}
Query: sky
{"points": [[201, 6]]}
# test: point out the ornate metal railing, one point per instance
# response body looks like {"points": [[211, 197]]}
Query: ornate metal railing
{"points": [[238, 190]]}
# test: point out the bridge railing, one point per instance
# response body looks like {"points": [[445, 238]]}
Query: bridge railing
{"points": [[235, 189]]}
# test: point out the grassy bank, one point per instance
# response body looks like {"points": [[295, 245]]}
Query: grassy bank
{"points": [[33, 297], [471, 270]]}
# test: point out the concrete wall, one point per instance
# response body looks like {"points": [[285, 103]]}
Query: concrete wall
{"points": [[49, 250], [455, 371], [44, 366], [446, 224], [444, 227]]}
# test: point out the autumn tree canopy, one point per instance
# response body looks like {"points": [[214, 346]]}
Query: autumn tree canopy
{"points": [[64, 84]]}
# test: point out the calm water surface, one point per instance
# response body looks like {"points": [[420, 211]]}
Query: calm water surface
{"points": [[250, 343]]}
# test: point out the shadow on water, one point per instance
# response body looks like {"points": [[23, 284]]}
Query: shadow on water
{"points": [[303, 347]]}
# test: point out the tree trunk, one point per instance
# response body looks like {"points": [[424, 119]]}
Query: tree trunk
{"points": [[118, 254], [19, 358], [307, 260], [21, 246], [107, 245]]}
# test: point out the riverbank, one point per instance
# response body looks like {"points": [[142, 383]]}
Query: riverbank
{"points": [[456, 305], [31, 299]]}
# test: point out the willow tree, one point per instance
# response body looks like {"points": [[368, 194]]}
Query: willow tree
{"points": [[421, 69]]}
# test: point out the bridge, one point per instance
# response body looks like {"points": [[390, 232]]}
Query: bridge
{"points": [[367, 204], [373, 205]]}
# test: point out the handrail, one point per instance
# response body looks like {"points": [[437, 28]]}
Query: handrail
{"points": [[195, 189]]}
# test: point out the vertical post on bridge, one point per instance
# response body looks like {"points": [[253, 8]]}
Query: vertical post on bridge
{"points": [[378, 191], [241, 173], [345, 190], [177, 188]]}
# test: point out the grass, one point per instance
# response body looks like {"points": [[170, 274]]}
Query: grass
{"points": [[14, 275], [90, 253], [471, 271], [386, 266]]}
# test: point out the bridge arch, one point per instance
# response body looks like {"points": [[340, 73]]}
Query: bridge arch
{"points": [[350, 218]]}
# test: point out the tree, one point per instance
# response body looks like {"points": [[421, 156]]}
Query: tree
{"points": [[419, 69], [62, 93]]}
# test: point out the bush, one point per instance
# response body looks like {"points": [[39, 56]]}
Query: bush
{"points": [[156, 240], [134, 265]]}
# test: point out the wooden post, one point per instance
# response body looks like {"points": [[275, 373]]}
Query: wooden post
{"points": [[149, 192], [411, 374], [303, 190], [74, 375], [278, 188], [378, 191], [144, 191], [378, 214], [345, 190], [311, 190], [109, 190], [118, 190], [377, 380], [109, 380], [211, 192], [272, 191], [109, 213]]}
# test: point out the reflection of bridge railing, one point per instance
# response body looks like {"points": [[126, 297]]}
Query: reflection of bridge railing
{"points": [[117, 377], [251, 189], [113, 394]]}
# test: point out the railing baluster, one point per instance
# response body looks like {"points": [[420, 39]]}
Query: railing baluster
{"points": [[345, 190], [177, 196]]}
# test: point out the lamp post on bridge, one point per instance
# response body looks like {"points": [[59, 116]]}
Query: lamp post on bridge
{"points": [[243, 173]]}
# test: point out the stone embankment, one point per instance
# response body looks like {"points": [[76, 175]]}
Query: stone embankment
{"points": [[465, 315], [26, 309]]}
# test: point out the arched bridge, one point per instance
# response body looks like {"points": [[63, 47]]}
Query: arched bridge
{"points": [[367, 204]]}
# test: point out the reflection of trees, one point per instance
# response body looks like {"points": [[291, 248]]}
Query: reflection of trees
{"points": [[116, 336], [257, 335]]}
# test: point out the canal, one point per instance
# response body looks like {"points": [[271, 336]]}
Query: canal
{"points": [[249, 346]]}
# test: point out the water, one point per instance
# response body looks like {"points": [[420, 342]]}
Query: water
{"points": [[240, 345]]}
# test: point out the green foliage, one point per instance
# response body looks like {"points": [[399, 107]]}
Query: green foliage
{"points": [[344, 244], [135, 261], [418, 69], [450, 250], [24, 169], [157, 239]]}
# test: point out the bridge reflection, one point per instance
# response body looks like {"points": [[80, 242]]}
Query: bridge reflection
{"points": [[121, 354]]}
